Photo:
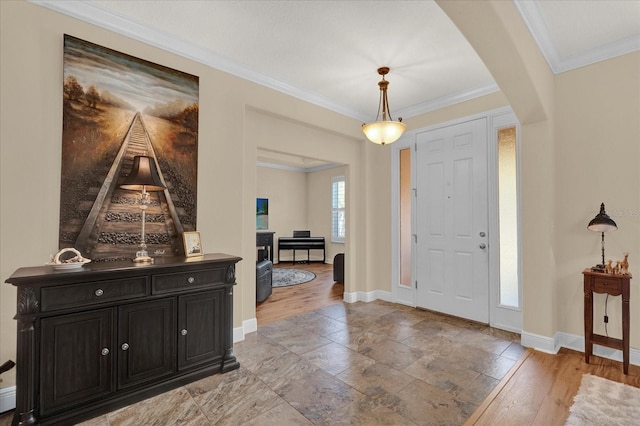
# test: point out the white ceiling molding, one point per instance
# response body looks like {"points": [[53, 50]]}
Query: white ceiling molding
{"points": [[416, 58], [532, 16], [446, 101], [108, 20], [298, 169], [118, 24]]}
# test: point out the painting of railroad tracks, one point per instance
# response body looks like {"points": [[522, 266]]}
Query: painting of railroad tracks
{"points": [[115, 107]]}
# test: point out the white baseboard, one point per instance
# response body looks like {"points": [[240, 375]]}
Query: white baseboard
{"points": [[576, 343], [370, 296], [7, 399], [539, 343], [248, 326], [572, 341]]}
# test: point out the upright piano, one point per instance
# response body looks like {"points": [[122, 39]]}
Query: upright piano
{"points": [[301, 240]]}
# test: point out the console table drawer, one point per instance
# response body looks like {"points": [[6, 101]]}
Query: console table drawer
{"points": [[607, 285], [167, 283], [91, 293]]}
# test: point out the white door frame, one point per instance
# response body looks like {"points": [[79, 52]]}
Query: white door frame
{"points": [[406, 295]]}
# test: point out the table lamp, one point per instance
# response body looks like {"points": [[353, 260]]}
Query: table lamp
{"points": [[601, 223], [144, 177]]}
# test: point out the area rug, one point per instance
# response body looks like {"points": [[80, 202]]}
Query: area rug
{"points": [[283, 277], [604, 402]]}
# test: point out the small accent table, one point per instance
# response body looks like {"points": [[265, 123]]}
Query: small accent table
{"points": [[614, 285]]}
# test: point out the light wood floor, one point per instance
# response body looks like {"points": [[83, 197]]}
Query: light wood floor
{"points": [[287, 302], [538, 390]]}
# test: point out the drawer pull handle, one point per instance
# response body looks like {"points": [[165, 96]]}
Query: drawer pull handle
{"points": [[191, 280], [184, 332], [99, 292], [105, 351], [125, 346]]}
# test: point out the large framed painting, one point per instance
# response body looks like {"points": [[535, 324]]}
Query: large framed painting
{"points": [[116, 107]]}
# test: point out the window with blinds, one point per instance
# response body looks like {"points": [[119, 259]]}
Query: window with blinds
{"points": [[338, 221]]}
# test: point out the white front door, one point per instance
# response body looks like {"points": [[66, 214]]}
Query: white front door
{"points": [[452, 263]]}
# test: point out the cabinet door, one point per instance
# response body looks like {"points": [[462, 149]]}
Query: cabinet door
{"points": [[146, 341], [76, 358], [200, 322]]}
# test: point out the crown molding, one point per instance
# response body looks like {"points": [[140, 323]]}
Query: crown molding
{"points": [[599, 54], [327, 166], [446, 101], [102, 18], [532, 17]]}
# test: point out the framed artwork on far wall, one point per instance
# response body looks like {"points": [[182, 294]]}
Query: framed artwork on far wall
{"points": [[262, 213], [192, 244]]}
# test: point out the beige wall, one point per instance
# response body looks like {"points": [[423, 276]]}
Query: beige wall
{"points": [[30, 131], [597, 142], [584, 152], [287, 193], [299, 200], [319, 208], [283, 134], [579, 146]]}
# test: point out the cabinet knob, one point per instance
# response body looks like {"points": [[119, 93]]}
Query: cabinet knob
{"points": [[482, 246], [105, 351], [183, 332], [99, 292], [125, 346], [191, 280]]}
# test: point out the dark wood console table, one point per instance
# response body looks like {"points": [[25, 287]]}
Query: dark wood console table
{"points": [[108, 334], [614, 285]]}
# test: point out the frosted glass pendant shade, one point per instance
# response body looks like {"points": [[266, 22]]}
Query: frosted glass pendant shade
{"points": [[384, 132]]}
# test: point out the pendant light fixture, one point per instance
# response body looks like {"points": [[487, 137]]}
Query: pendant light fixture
{"points": [[386, 130]]}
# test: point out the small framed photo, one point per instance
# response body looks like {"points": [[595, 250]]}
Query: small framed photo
{"points": [[192, 244]]}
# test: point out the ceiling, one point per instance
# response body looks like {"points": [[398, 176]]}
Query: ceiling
{"points": [[327, 52]]}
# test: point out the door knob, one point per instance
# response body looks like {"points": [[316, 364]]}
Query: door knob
{"points": [[483, 246]]}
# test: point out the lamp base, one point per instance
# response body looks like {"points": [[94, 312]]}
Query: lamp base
{"points": [[597, 268], [142, 257]]}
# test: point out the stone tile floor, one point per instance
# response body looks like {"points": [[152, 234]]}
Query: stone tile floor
{"points": [[372, 363]]}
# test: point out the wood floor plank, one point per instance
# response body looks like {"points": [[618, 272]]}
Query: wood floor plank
{"points": [[496, 391], [541, 390], [286, 302], [555, 406]]}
